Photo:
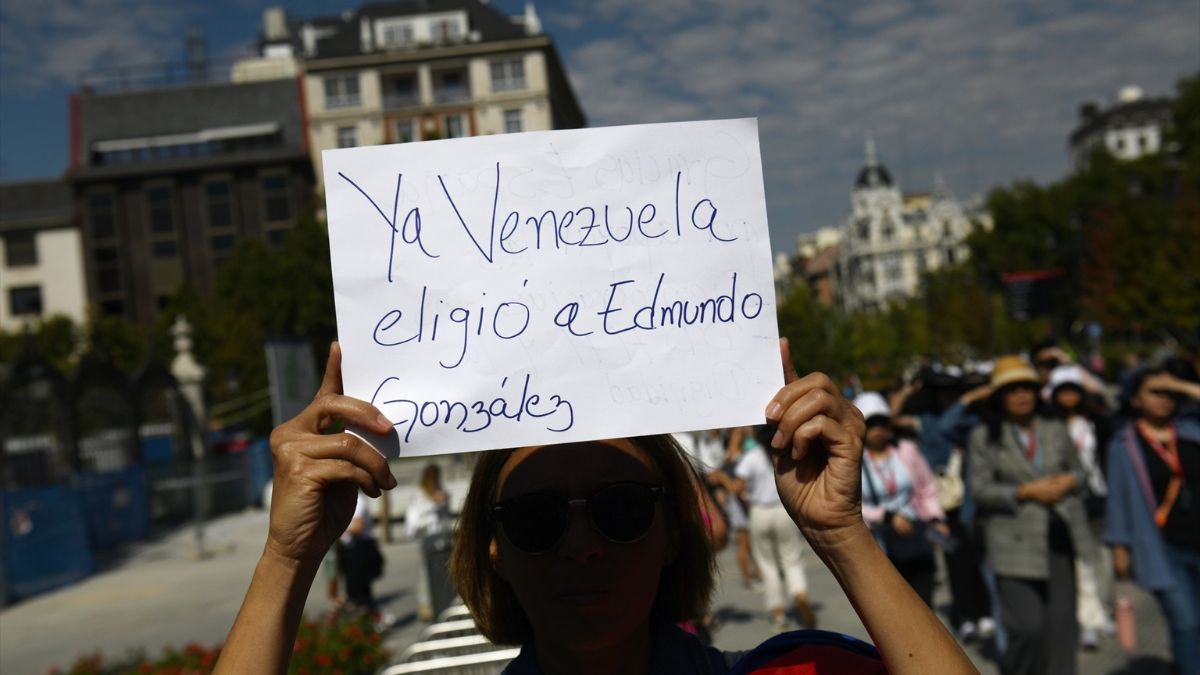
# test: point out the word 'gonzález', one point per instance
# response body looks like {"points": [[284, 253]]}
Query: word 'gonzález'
{"points": [[474, 416]]}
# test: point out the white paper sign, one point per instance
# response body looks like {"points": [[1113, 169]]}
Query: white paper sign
{"points": [[555, 286]]}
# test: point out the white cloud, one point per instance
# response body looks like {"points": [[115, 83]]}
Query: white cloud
{"points": [[983, 92], [48, 43]]}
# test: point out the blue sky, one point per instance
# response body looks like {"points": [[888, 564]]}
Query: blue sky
{"points": [[982, 92]]}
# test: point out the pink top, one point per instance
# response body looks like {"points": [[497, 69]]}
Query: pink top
{"points": [[924, 492]]}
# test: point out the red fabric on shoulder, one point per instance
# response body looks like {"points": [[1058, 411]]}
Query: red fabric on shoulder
{"points": [[821, 660]]}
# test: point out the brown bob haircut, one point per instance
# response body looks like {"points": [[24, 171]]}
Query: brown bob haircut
{"points": [[685, 584]]}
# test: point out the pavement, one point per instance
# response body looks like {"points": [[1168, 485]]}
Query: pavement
{"points": [[160, 593]]}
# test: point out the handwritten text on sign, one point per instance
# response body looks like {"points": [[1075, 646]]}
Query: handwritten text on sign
{"points": [[555, 286]]}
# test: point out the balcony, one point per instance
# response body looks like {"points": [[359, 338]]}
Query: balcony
{"points": [[401, 92], [451, 86]]}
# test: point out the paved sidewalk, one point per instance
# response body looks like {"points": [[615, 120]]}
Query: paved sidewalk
{"points": [[159, 595]]}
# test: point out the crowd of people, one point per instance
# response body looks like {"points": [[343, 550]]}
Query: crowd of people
{"points": [[1037, 483]]}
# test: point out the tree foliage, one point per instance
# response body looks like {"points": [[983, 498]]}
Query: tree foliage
{"points": [[1126, 234]]}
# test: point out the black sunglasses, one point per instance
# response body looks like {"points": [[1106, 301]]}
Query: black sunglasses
{"points": [[536, 522]]}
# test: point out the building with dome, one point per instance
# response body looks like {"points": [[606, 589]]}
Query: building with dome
{"points": [[890, 238]]}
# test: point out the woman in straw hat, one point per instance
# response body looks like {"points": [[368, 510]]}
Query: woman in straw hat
{"points": [[1027, 483]]}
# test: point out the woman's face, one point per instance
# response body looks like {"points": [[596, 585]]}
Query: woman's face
{"points": [[1019, 400], [878, 435], [1153, 399], [1068, 398], [587, 592]]}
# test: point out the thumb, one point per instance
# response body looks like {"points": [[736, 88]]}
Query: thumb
{"points": [[789, 370], [331, 383]]}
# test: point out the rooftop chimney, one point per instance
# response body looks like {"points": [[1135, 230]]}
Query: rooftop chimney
{"points": [[274, 24]]}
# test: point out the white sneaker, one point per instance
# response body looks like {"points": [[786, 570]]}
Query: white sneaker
{"points": [[967, 631], [987, 627]]}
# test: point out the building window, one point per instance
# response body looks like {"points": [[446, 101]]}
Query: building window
{"points": [[401, 91], [221, 246], [445, 30], [951, 257], [165, 249], [104, 220], [863, 227], [508, 74], [512, 121], [276, 200], [276, 236], [892, 269], [889, 229], [108, 280], [455, 126], [220, 204], [112, 308], [406, 131], [20, 249], [341, 91], [25, 300], [450, 86], [397, 35], [922, 261], [161, 211], [347, 137]]}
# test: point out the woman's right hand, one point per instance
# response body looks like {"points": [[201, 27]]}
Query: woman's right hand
{"points": [[318, 475]]}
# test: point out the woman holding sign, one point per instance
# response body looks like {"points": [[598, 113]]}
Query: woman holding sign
{"points": [[586, 553]]}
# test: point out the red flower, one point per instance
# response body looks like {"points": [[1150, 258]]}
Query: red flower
{"points": [[323, 660]]}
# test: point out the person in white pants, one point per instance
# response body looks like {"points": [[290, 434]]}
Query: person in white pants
{"points": [[775, 543]]}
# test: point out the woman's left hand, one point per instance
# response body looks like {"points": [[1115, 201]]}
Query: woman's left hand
{"points": [[817, 452]]}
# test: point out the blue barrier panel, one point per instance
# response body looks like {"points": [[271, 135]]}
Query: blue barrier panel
{"points": [[158, 449], [117, 506], [260, 467], [45, 540]]}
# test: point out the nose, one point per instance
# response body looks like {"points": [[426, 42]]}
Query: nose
{"points": [[581, 542]]}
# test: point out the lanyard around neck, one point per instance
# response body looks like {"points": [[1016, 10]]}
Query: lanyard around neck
{"points": [[889, 478], [1030, 440], [1170, 456]]}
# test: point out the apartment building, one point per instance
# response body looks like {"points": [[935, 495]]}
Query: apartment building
{"points": [[396, 72], [168, 178], [41, 265]]}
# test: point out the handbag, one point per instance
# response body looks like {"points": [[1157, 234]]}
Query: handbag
{"points": [[949, 483], [899, 547]]}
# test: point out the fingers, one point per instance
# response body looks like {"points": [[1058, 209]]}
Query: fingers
{"points": [[789, 370], [348, 448], [329, 406], [799, 402], [338, 470], [820, 430]]}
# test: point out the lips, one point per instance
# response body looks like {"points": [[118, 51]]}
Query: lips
{"points": [[583, 596]]}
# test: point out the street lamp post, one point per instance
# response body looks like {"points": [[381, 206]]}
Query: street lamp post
{"points": [[190, 376]]}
